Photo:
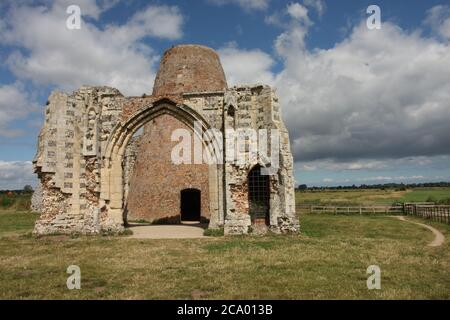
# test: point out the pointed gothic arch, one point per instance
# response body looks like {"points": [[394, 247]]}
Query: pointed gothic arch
{"points": [[111, 184]]}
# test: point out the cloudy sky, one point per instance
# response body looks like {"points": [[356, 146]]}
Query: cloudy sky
{"points": [[362, 106]]}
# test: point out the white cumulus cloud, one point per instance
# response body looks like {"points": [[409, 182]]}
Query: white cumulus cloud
{"points": [[16, 174], [438, 18], [246, 66], [15, 103], [297, 11], [48, 53], [374, 96], [318, 5]]}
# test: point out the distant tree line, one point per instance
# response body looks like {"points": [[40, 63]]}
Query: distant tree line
{"points": [[16, 199], [26, 190], [398, 186]]}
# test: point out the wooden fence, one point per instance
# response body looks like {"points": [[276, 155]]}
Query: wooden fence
{"points": [[424, 209], [433, 212], [351, 210]]}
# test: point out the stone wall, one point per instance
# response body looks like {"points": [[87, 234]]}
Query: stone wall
{"points": [[68, 159], [257, 107], [129, 163], [86, 190], [36, 199]]}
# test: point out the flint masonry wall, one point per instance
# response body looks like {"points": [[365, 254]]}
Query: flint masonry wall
{"points": [[91, 168], [68, 159], [257, 107]]}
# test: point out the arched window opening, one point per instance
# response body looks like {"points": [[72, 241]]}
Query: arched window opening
{"points": [[259, 196]]}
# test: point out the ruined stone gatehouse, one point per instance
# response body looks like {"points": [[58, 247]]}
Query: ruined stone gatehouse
{"points": [[104, 159]]}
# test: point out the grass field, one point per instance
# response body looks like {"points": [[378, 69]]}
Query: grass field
{"points": [[328, 260], [371, 196], [15, 201]]}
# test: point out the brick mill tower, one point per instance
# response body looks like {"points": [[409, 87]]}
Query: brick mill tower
{"points": [[104, 159], [156, 179]]}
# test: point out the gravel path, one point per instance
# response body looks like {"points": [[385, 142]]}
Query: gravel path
{"points": [[166, 232], [438, 236]]}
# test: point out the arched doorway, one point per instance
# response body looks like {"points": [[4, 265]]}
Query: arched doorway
{"points": [[259, 196], [156, 179], [112, 176], [190, 205]]}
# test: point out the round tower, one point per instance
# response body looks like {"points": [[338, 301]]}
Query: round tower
{"points": [[189, 68]]}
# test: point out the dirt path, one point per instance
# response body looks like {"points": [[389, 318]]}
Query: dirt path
{"points": [[438, 236], [166, 232]]}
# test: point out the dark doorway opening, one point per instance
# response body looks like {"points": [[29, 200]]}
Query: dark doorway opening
{"points": [[259, 196], [190, 205]]}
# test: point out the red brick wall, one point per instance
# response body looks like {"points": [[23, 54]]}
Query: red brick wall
{"points": [[156, 182]]}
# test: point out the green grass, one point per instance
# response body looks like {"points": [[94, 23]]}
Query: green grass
{"points": [[370, 196], [328, 260], [213, 232], [16, 222], [422, 195]]}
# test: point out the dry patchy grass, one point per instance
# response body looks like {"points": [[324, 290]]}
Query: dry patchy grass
{"points": [[328, 260]]}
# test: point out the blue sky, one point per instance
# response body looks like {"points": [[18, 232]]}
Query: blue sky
{"points": [[362, 106]]}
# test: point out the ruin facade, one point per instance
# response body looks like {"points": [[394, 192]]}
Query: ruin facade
{"points": [[104, 159]]}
